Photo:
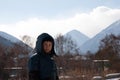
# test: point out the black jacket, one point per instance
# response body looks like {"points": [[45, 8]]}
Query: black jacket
{"points": [[42, 66]]}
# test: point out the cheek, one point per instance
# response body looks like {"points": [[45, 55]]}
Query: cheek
{"points": [[50, 47]]}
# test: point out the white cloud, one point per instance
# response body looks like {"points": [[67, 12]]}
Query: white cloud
{"points": [[88, 23]]}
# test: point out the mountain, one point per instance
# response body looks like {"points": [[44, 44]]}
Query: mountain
{"points": [[5, 42], [77, 37], [93, 44], [9, 41], [9, 37]]}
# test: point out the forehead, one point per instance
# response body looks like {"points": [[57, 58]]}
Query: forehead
{"points": [[47, 42]]}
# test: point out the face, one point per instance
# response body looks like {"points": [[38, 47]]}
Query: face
{"points": [[47, 46]]}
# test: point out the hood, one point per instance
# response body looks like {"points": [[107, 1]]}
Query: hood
{"points": [[40, 39]]}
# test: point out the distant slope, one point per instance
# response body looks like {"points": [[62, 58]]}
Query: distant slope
{"points": [[9, 41], [77, 37], [5, 42], [9, 37], [93, 44]]}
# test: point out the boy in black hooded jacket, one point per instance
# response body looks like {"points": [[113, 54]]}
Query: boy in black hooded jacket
{"points": [[41, 65]]}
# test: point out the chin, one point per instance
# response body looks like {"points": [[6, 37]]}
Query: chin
{"points": [[47, 52]]}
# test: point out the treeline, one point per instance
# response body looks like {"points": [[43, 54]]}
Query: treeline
{"points": [[70, 62], [13, 62], [110, 50]]}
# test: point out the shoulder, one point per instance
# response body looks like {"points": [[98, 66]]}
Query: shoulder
{"points": [[34, 57]]}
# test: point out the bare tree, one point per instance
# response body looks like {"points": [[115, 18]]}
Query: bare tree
{"points": [[67, 61], [65, 45], [4, 75], [28, 40], [109, 49]]}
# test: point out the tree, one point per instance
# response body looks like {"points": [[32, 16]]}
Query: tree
{"points": [[109, 49], [59, 42], [4, 75], [14, 59], [67, 51], [28, 40], [21, 59], [65, 45]]}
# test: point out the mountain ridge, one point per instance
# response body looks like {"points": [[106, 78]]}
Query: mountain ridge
{"points": [[93, 44], [82, 41], [8, 41], [78, 37], [9, 37]]}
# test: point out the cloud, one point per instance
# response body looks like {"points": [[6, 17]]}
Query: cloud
{"points": [[88, 23]]}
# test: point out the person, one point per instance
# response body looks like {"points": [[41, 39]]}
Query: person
{"points": [[41, 65]]}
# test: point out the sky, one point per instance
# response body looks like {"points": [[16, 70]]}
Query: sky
{"points": [[33, 17]]}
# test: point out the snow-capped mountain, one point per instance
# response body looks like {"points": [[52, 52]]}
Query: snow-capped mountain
{"points": [[5, 42], [9, 37], [10, 41], [77, 37], [93, 44]]}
